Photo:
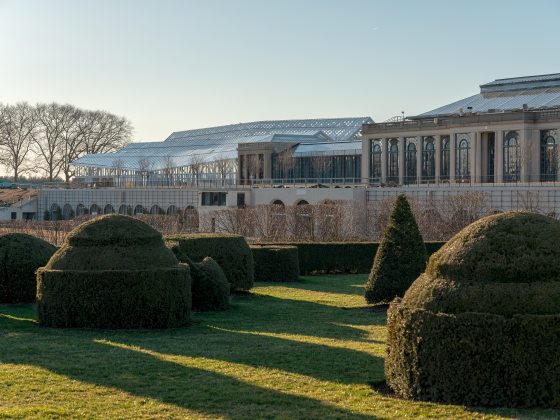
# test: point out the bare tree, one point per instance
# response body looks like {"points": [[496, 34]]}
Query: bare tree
{"points": [[144, 167], [72, 141], [18, 128], [224, 166], [253, 166], [118, 168], [105, 132], [196, 164], [286, 162], [54, 122], [168, 168]]}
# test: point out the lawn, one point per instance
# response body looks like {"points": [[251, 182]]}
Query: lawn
{"points": [[306, 350]]}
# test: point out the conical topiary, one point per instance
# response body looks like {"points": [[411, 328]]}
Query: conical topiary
{"points": [[400, 258]]}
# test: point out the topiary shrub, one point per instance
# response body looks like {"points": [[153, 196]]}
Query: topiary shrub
{"points": [[20, 256], [231, 252], [400, 258], [339, 257], [114, 272], [275, 263], [482, 325], [210, 288]]}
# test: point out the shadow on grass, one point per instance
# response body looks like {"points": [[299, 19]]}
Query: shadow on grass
{"points": [[76, 355]]}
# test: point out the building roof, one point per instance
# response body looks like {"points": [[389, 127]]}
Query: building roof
{"points": [[339, 148], [219, 143], [506, 95]]}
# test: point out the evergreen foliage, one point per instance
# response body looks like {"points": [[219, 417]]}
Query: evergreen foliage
{"points": [[231, 252], [339, 257], [481, 326], [210, 288], [400, 258], [114, 272], [20, 256], [275, 263]]}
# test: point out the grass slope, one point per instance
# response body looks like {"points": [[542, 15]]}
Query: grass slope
{"points": [[297, 350]]}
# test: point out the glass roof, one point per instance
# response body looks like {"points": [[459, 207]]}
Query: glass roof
{"points": [[536, 92], [220, 143]]}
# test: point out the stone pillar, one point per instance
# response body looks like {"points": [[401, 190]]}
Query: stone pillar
{"points": [[437, 151], [366, 160], [384, 156], [452, 154], [419, 158], [402, 161], [529, 154], [476, 157], [499, 153]]}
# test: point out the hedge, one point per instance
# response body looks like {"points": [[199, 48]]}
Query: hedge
{"points": [[275, 263], [401, 256], [114, 272], [474, 358], [481, 326], [210, 288], [339, 257], [231, 252], [156, 298], [20, 256]]}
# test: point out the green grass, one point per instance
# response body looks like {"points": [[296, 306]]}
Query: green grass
{"points": [[304, 350]]}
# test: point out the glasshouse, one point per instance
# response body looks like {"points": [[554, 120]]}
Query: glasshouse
{"points": [[324, 148]]}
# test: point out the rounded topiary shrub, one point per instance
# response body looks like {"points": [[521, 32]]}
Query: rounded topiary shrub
{"points": [[481, 326], [114, 272], [210, 288], [400, 258], [230, 251], [20, 257], [275, 262]]}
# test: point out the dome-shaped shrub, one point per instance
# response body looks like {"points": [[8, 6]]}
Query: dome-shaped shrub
{"points": [[114, 272], [210, 288], [20, 256], [275, 262], [231, 252], [482, 325], [400, 258]]}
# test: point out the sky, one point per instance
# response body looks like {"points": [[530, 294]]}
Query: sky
{"points": [[177, 65]]}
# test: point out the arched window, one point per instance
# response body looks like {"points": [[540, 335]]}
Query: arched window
{"points": [[375, 168], [67, 212], [94, 210], [511, 157], [156, 210], [56, 212], [138, 210], [172, 210], [108, 209], [126, 210], [445, 159], [462, 168], [393, 173], [429, 159], [81, 210], [410, 161], [549, 155]]}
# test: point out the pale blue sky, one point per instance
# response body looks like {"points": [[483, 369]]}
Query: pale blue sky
{"points": [[176, 65]]}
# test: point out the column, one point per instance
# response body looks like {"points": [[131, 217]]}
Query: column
{"points": [[452, 154], [529, 154], [419, 156], [499, 153], [366, 161], [384, 155], [476, 158], [438, 158], [402, 160]]}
